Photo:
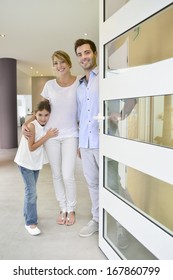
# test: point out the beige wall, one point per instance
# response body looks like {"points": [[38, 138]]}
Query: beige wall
{"points": [[151, 41], [37, 87], [23, 83], [152, 196], [154, 41]]}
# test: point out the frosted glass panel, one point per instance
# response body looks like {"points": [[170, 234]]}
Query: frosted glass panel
{"points": [[148, 42], [125, 244], [112, 6], [144, 119], [144, 193]]}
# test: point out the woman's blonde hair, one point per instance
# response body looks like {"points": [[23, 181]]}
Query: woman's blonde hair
{"points": [[62, 55]]}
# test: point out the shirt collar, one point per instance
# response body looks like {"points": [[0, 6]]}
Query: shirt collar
{"points": [[95, 71]]}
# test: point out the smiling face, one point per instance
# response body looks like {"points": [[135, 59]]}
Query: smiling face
{"points": [[86, 57], [60, 65], [42, 116], [61, 62]]}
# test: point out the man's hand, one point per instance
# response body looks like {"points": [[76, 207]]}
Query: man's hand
{"points": [[115, 117], [78, 153]]}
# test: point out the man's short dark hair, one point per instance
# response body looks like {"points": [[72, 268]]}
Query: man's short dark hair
{"points": [[81, 42]]}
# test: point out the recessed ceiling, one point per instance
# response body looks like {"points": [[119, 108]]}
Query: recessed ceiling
{"points": [[34, 29]]}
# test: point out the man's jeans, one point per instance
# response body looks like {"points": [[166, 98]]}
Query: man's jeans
{"points": [[30, 201]]}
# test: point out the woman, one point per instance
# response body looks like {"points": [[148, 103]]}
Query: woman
{"points": [[62, 150]]}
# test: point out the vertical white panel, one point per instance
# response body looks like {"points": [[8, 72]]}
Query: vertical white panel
{"points": [[135, 80]]}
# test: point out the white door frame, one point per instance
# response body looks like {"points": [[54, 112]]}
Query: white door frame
{"points": [[154, 158]]}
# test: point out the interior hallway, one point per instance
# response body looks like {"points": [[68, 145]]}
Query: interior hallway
{"points": [[56, 242]]}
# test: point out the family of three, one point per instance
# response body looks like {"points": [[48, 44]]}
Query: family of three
{"points": [[62, 127]]}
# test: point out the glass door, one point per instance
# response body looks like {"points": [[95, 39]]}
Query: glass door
{"points": [[136, 135]]}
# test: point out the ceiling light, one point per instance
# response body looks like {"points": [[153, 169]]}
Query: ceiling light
{"points": [[2, 35], [85, 34]]}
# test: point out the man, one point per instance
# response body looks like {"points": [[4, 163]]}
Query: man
{"points": [[88, 107]]}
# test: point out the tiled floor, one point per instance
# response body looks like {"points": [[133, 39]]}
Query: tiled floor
{"points": [[56, 242]]}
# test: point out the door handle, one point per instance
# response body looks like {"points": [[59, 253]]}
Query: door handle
{"points": [[99, 117]]}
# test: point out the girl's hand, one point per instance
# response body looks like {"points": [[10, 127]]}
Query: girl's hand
{"points": [[52, 132]]}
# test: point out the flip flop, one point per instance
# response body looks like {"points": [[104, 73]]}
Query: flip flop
{"points": [[70, 220], [61, 218]]}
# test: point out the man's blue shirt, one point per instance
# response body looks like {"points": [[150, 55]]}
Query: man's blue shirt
{"points": [[88, 107]]}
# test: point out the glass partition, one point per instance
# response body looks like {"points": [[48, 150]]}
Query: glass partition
{"points": [[144, 119], [125, 244], [149, 195], [111, 6], [146, 43]]}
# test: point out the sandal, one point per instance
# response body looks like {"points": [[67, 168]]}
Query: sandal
{"points": [[70, 218], [61, 218]]}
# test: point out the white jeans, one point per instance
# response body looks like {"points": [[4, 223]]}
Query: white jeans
{"points": [[90, 164], [62, 158]]}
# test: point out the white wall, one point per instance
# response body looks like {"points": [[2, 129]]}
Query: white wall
{"points": [[24, 96]]}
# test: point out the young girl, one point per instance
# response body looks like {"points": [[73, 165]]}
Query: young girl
{"points": [[30, 158]]}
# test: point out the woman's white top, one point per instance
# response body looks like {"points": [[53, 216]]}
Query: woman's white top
{"points": [[32, 160], [63, 108]]}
